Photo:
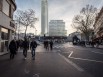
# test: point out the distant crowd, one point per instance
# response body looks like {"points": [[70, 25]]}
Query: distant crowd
{"points": [[48, 44], [94, 43]]}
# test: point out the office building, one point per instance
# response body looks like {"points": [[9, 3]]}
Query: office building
{"points": [[57, 28], [7, 25]]}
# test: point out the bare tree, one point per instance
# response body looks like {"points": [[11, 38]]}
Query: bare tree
{"points": [[26, 18], [85, 20]]}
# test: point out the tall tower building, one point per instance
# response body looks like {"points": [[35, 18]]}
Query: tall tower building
{"points": [[44, 17]]}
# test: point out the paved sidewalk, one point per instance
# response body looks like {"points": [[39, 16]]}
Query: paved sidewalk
{"points": [[3, 53], [46, 64], [100, 46]]}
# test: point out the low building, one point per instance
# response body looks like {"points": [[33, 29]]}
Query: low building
{"points": [[7, 25], [57, 28]]}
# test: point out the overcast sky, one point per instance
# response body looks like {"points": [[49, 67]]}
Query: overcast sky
{"points": [[57, 10]]}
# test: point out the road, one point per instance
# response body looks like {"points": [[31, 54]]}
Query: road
{"points": [[89, 59], [64, 61]]}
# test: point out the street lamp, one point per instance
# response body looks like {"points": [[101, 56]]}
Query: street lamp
{"points": [[35, 31]]}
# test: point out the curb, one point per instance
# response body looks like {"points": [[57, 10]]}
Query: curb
{"points": [[4, 54]]}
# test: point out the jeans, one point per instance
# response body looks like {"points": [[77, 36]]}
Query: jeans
{"points": [[33, 52], [11, 56]]}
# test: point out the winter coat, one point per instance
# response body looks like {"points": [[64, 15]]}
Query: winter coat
{"points": [[33, 44], [13, 46], [25, 44]]}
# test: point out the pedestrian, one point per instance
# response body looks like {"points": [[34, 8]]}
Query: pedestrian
{"points": [[51, 45], [97, 43], [47, 44], [25, 45], [92, 43], [20, 44], [44, 43], [33, 46], [12, 48], [17, 43]]}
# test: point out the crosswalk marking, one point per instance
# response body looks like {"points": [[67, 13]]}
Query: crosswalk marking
{"points": [[97, 52], [73, 64]]}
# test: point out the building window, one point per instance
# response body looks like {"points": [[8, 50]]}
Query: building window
{"points": [[4, 34], [4, 38], [0, 5], [11, 11], [6, 7]]}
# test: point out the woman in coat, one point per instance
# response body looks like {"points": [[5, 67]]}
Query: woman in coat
{"points": [[12, 48]]}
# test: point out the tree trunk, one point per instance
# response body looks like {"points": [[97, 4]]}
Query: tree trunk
{"points": [[26, 30], [87, 37]]}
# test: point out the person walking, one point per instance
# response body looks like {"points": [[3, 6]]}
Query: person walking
{"points": [[47, 45], [51, 45], [97, 43], [12, 48], [44, 43], [25, 45], [33, 46]]}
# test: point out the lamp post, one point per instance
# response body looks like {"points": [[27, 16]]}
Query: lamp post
{"points": [[17, 21], [35, 31]]}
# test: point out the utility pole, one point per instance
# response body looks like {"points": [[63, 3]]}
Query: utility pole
{"points": [[18, 28]]}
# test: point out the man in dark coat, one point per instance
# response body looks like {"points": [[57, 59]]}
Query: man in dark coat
{"points": [[33, 46], [44, 44], [47, 45], [17, 42], [12, 48], [51, 45], [25, 45]]}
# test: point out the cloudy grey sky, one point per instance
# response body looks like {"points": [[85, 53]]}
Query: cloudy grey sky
{"points": [[57, 9]]}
